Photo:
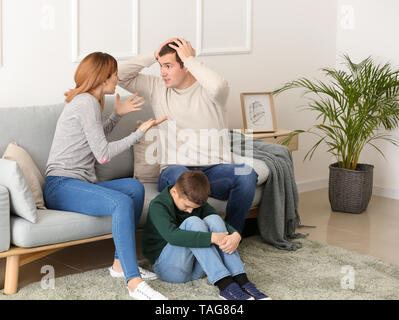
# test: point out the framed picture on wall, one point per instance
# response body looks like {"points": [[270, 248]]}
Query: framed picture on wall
{"points": [[258, 111]]}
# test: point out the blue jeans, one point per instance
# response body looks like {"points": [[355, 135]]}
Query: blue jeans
{"points": [[122, 199], [182, 264], [226, 184]]}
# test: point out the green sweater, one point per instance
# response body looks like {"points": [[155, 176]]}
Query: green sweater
{"points": [[162, 226]]}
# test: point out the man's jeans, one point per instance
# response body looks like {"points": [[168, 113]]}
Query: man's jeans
{"points": [[122, 199], [182, 264], [235, 183]]}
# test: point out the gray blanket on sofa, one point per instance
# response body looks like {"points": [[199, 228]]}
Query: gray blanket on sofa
{"points": [[278, 215]]}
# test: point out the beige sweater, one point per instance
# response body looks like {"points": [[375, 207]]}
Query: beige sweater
{"points": [[195, 133]]}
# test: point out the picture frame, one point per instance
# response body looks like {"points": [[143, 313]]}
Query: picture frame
{"points": [[258, 112]]}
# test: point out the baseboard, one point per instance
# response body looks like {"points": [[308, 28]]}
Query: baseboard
{"points": [[317, 184], [386, 192], [311, 185]]}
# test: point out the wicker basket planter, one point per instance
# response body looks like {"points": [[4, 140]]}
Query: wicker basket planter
{"points": [[350, 190]]}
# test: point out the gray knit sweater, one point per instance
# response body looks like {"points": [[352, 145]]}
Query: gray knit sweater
{"points": [[80, 140]]}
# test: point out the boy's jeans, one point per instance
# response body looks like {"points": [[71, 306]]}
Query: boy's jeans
{"points": [[235, 183], [122, 199], [182, 264]]}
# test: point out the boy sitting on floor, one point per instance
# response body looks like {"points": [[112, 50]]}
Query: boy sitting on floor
{"points": [[184, 238]]}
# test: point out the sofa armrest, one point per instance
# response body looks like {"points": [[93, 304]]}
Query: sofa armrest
{"points": [[4, 219]]}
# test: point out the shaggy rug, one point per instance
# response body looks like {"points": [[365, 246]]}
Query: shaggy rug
{"points": [[314, 272]]}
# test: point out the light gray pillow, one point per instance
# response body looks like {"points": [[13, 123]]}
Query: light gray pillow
{"points": [[22, 201], [259, 166]]}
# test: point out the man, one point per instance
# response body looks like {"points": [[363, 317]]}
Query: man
{"points": [[193, 97]]}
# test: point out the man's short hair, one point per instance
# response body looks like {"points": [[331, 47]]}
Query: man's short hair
{"points": [[194, 185], [166, 49]]}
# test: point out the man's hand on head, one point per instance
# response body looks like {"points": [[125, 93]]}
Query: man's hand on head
{"points": [[183, 49], [156, 53]]}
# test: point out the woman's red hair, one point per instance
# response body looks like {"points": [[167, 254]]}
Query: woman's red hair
{"points": [[92, 71]]}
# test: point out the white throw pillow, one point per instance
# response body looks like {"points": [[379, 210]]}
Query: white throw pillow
{"points": [[32, 174], [21, 198]]}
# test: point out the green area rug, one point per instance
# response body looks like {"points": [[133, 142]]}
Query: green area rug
{"points": [[314, 272]]}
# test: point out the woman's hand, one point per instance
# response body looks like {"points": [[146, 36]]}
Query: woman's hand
{"points": [[145, 126], [230, 243], [129, 105]]}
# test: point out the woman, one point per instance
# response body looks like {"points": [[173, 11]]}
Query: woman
{"points": [[80, 140]]}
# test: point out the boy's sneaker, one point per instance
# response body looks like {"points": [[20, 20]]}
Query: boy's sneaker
{"points": [[145, 292], [234, 292], [250, 289], [145, 274]]}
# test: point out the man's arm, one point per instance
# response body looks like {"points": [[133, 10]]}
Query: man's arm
{"points": [[216, 87], [133, 81]]}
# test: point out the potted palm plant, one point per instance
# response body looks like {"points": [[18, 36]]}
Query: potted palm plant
{"points": [[356, 107]]}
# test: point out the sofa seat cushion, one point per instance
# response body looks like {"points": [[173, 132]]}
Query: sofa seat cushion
{"points": [[259, 166], [55, 226]]}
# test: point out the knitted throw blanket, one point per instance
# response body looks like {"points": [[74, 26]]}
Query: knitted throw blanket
{"points": [[278, 216]]}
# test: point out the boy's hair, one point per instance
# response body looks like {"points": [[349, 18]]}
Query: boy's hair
{"points": [[166, 49], [194, 185]]}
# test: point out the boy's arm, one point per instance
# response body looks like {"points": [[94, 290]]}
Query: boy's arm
{"points": [[133, 81], [208, 210], [158, 214], [229, 243]]}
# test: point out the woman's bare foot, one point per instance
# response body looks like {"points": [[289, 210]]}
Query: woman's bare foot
{"points": [[117, 266], [133, 283]]}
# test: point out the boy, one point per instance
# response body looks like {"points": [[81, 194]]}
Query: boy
{"points": [[185, 239]]}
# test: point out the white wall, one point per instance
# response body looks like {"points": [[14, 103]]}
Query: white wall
{"points": [[288, 39], [369, 27]]}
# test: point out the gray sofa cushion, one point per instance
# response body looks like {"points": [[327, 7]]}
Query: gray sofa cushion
{"points": [[32, 128], [57, 226]]}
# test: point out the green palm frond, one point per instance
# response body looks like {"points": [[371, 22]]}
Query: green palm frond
{"points": [[351, 107]]}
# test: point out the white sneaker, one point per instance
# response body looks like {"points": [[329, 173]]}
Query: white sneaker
{"points": [[145, 274], [145, 292], [115, 274]]}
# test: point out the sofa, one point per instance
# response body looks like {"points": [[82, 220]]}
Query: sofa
{"points": [[23, 241]]}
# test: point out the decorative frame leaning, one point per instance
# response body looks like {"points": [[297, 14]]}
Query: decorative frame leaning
{"points": [[258, 112]]}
